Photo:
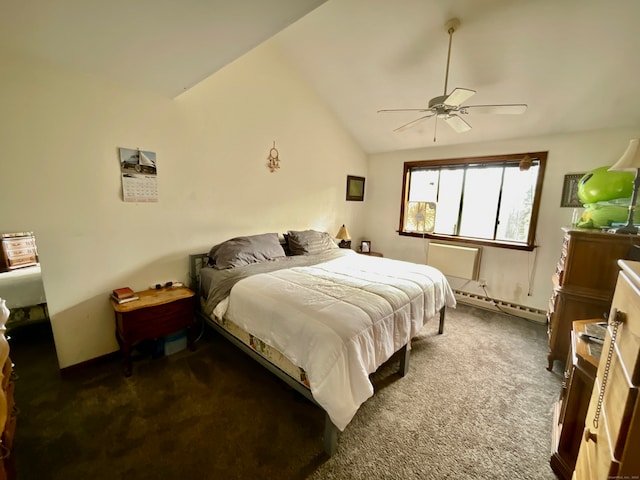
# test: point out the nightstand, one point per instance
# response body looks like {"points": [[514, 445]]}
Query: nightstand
{"points": [[571, 409], [157, 313], [372, 254]]}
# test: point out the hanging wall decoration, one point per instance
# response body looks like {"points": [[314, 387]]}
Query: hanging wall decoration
{"points": [[274, 161], [570, 190], [139, 175], [355, 188]]}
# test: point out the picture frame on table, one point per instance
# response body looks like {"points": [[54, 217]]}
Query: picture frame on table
{"points": [[365, 246]]}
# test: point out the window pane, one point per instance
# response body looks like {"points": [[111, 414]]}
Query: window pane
{"points": [[423, 186], [481, 194], [517, 204], [448, 206]]}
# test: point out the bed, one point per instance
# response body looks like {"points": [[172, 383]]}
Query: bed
{"points": [[320, 317]]}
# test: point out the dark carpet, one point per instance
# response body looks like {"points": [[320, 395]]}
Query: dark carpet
{"points": [[476, 404]]}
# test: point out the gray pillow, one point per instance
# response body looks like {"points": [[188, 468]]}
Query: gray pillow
{"points": [[309, 242], [240, 251]]}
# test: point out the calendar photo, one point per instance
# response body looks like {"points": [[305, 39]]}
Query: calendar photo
{"points": [[139, 175]]}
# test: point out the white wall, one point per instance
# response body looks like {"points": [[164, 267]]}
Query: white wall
{"points": [[59, 134], [511, 275]]}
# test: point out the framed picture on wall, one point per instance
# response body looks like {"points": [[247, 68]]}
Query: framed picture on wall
{"points": [[570, 190], [355, 188]]}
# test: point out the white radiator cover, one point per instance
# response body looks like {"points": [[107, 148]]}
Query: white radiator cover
{"points": [[454, 260]]}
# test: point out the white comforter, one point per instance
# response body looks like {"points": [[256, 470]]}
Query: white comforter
{"points": [[339, 320]]}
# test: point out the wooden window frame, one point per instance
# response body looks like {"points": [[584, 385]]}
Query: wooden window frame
{"points": [[511, 158]]}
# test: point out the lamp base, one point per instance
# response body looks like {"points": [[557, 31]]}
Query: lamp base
{"points": [[345, 244], [628, 229]]}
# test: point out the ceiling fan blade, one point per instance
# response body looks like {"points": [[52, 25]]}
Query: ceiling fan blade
{"points": [[459, 96], [413, 123], [404, 110], [512, 109], [457, 123]]}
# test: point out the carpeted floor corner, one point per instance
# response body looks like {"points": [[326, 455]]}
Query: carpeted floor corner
{"points": [[476, 404]]}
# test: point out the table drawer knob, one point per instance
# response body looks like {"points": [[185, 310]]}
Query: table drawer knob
{"points": [[588, 435]]}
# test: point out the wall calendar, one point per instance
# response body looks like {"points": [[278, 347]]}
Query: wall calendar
{"points": [[139, 175]]}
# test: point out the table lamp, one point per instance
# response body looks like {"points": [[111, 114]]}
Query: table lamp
{"points": [[630, 162], [344, 237]]}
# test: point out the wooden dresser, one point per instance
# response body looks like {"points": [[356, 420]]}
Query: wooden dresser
{"points": [[17, 250], [583, 282], [610, 446]]}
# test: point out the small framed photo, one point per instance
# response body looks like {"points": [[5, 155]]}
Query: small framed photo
{"points": [[365, 246], [570, 190], [355, 188]]}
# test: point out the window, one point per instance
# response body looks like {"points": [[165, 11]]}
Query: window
{"points": [[484, 200]]}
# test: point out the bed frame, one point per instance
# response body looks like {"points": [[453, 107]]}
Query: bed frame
{"points": [[330, 439]]}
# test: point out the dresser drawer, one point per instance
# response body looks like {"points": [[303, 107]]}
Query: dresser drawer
{"points": [[18, 243], [156, 321], [626, 302], [596, 461], [21, 252], [618, 404], [19, 260]]}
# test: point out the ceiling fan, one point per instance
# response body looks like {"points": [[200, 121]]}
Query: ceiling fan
{"points": [[449, 107]]}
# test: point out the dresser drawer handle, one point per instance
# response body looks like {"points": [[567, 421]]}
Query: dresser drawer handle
{"points": [[588, 435]]}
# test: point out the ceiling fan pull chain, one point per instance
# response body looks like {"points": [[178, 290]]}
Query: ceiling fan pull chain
{"points": [[435, 129]]}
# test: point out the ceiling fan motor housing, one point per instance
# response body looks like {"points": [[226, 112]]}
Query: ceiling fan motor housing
{"points": [[437, 101]]}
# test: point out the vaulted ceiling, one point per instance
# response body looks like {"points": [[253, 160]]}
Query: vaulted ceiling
{"points": [[575, 63], [165, 46]]}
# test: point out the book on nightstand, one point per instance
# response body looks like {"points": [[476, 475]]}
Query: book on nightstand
{"points": [[124, 300], [123, 295]]}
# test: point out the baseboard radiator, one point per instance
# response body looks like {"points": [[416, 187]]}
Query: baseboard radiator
{"points": [[487, 303], [454, 260]]}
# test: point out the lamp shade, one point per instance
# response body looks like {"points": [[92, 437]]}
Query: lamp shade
{"points": [[630, 160], [343, 234]]}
